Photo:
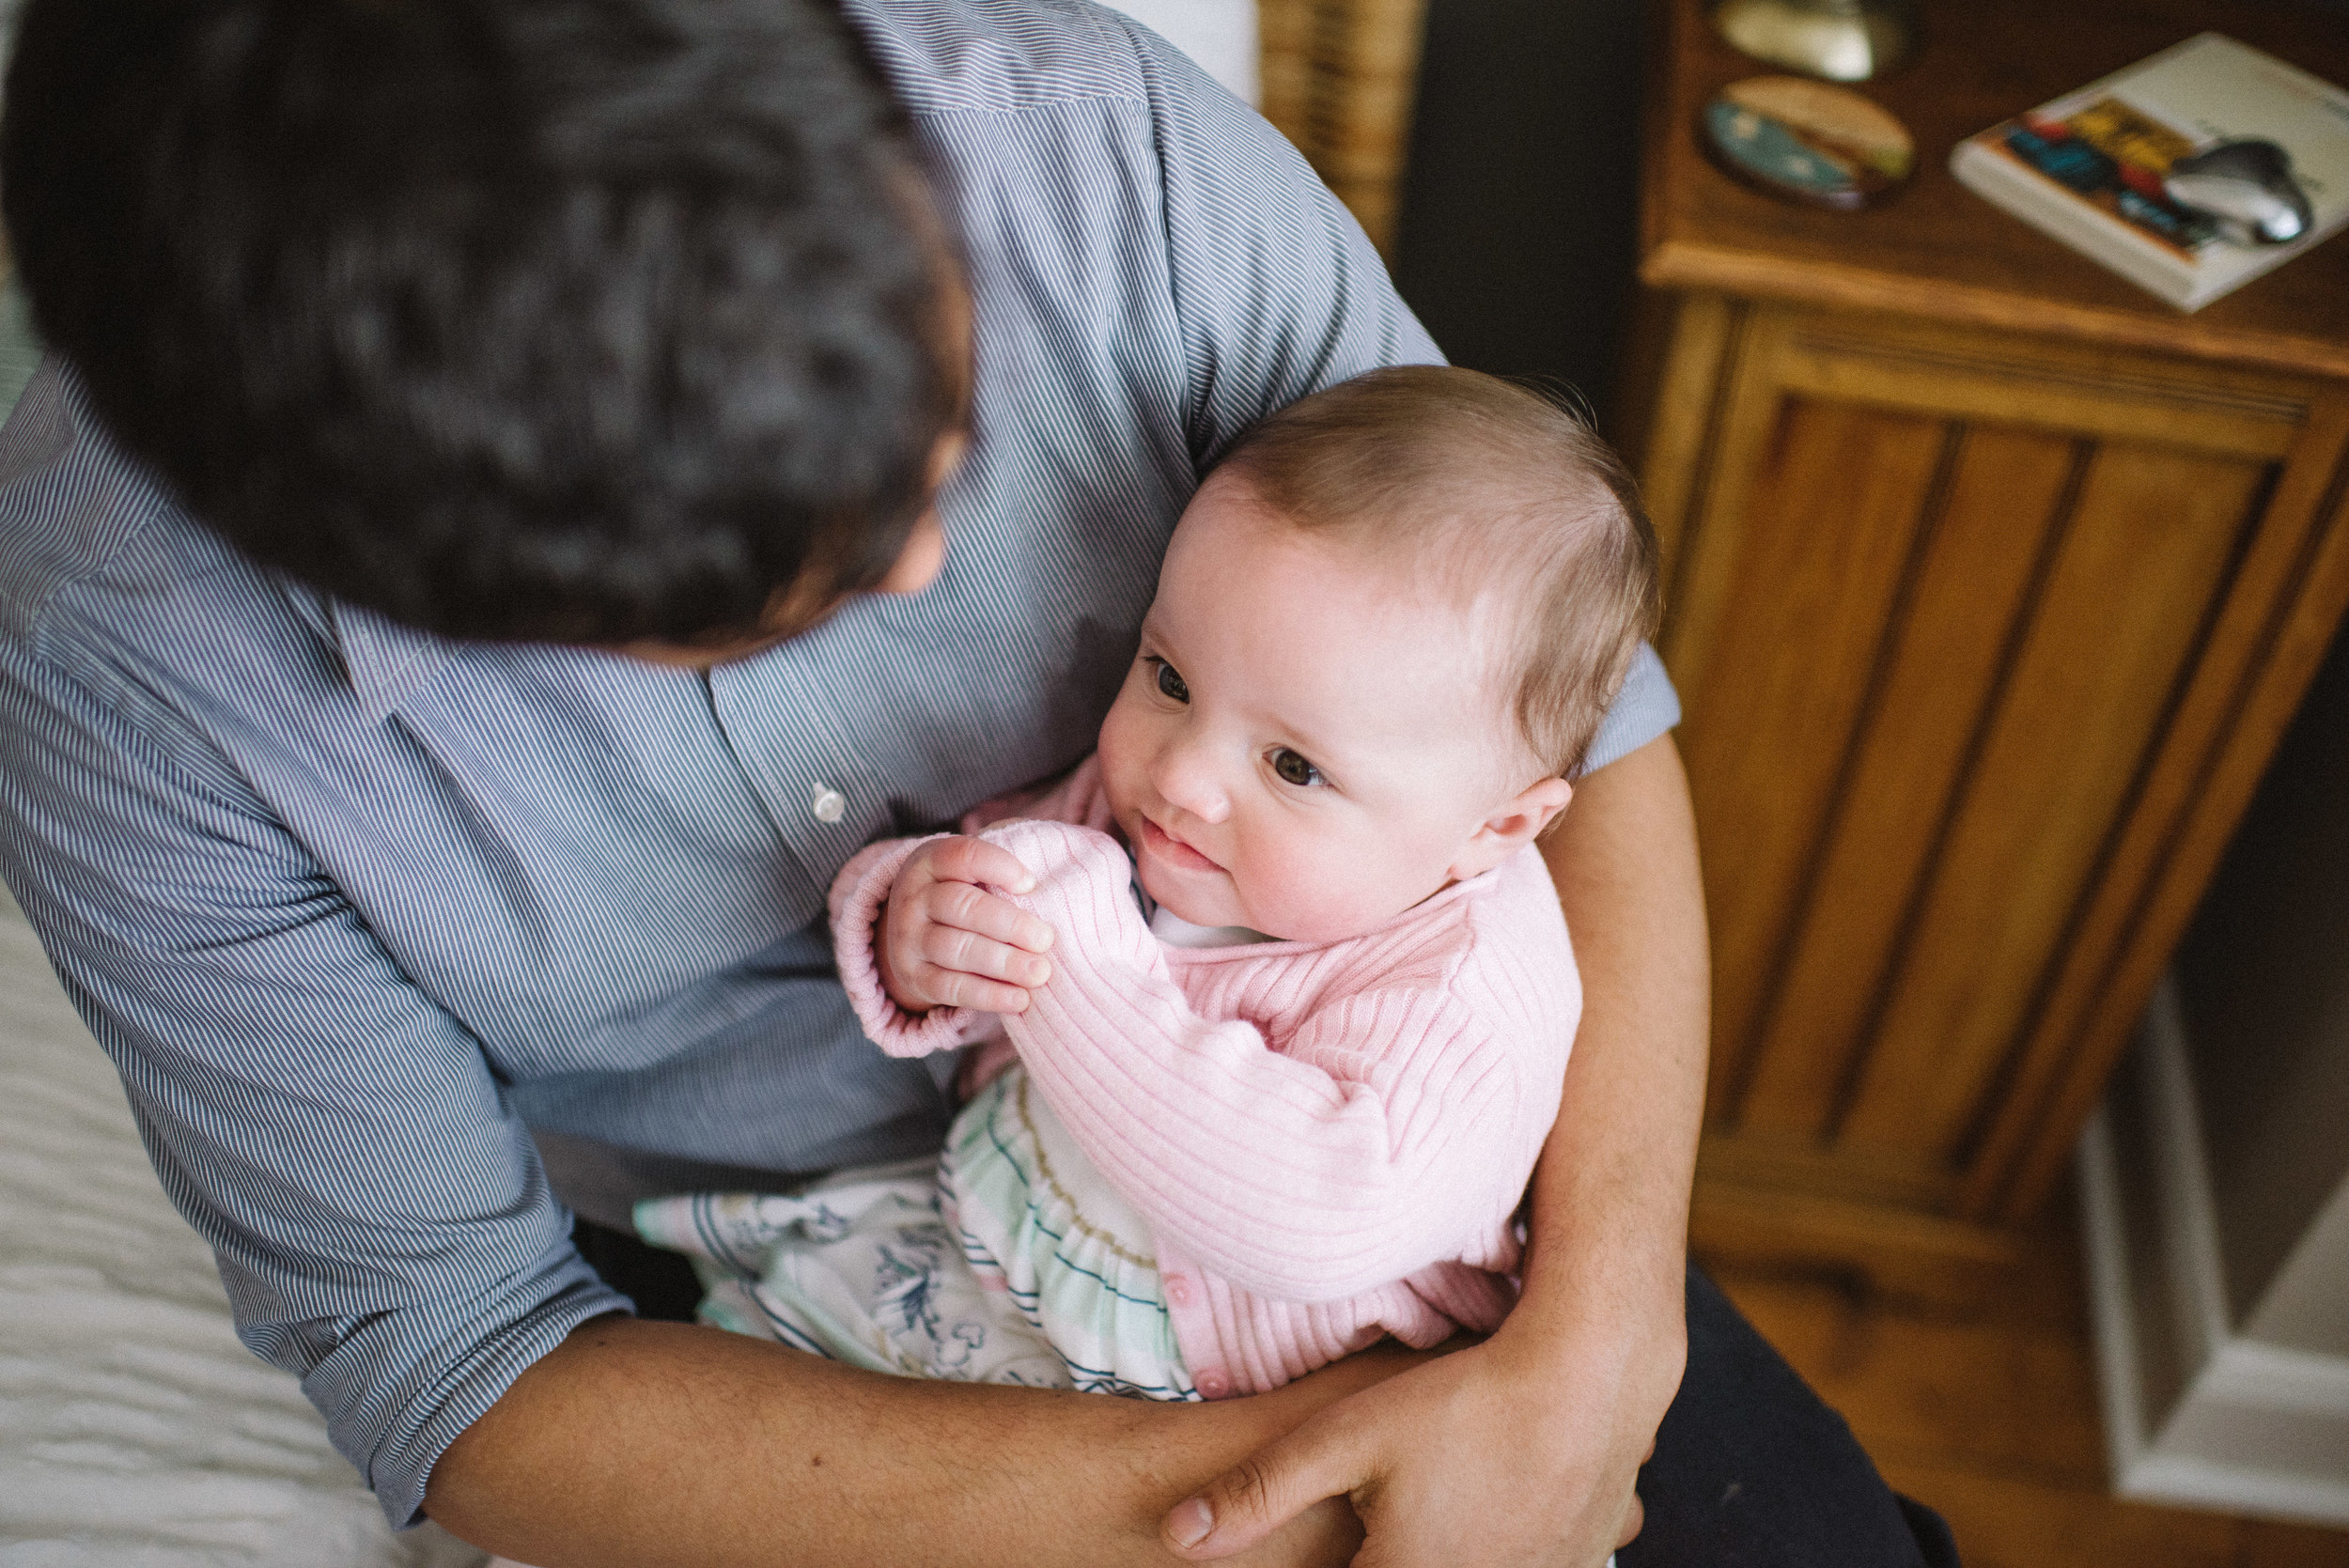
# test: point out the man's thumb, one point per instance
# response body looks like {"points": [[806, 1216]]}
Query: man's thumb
{"points": [[1260, 1494]]}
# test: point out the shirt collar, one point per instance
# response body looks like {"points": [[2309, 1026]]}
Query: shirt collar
{"points": [[386, 662]]}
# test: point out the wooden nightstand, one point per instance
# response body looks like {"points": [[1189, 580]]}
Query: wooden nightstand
{"points": [[1993, 583]]}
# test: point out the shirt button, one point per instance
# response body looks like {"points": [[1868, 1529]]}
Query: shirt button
{"points": [[1212, 1383], [1178, 1290], [829, 805]]}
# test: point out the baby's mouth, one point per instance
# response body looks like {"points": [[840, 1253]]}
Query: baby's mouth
{"points": [[1165, 847]]}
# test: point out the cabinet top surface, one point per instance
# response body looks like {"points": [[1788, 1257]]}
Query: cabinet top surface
{"points": [[1937, 249]]}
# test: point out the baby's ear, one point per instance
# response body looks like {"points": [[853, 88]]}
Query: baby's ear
{"points": [[1517, 824]]}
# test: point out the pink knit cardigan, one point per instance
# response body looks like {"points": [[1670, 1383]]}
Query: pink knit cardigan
{"points": [[1330, 1140]]}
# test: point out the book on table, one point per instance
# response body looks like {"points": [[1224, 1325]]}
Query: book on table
{"points": [[2088, 167]]}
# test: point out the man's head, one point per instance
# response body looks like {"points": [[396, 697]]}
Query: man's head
{"points": [[1386, 630], [581, 320]]}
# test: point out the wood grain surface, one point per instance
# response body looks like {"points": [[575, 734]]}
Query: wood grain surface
{"points": [[1938, 251], [1983, 639], [1988, 1409]]}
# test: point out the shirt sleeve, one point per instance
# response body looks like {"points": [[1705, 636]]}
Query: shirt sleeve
{"points": [[1646, 707], [1280, 295], [1277, 292], [378, 1211], [1275, 1169]]}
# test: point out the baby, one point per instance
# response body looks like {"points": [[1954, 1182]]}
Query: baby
{"points": [[1283, 1097]]}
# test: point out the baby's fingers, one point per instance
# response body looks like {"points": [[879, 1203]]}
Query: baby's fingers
{"points": [[953, 989], [974, 859], [983, 914], [961, 952]]}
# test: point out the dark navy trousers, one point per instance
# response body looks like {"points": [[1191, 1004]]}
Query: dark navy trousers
{"points": [[1752, 1471]]}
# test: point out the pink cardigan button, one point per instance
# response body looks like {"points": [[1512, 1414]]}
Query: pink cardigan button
{"points": [[1212, 1383], [1178, 1290]]}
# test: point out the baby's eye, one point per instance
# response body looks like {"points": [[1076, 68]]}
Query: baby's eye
{"points": [[1294, 768], [1171, 685]]}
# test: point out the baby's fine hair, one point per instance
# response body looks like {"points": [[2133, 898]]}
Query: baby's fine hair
{"points": [[1489, 482]]}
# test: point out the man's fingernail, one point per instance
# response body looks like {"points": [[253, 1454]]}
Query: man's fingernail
{"points": [[1190, 1521], [1038, 972]]}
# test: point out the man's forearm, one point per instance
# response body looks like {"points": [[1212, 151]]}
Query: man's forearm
{"points": [[1610, 1196], [653, 1443]]}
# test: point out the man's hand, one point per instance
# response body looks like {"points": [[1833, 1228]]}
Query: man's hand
{"points": [[1418, 1456], [946, 941]]}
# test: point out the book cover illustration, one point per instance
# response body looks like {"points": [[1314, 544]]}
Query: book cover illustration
{"points": [[2114, 158]]}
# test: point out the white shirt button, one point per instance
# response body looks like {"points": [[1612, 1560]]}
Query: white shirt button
{"points": [[829, 805]]}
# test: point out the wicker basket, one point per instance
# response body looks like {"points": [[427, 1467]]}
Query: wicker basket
{"points": [[1339, 79]]}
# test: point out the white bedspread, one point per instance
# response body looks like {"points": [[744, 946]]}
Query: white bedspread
{"points": [[135, 1432]]}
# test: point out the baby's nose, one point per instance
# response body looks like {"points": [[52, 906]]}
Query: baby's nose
{"points": [[1190, 784]]}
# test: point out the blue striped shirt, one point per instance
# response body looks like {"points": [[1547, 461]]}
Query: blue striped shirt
{"points": [[355, 910]]}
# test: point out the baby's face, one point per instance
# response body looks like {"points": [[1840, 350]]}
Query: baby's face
{"points": [[1306, 744]]}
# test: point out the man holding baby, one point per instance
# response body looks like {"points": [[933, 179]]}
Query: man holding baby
{"points": [[523, 493]]}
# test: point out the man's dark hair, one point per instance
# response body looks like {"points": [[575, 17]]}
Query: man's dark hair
{"points": [[582, 320]]}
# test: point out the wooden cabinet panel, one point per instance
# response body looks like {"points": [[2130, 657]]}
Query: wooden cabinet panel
{"points": [[2142, 559], [1839, 495], [2267, 639], [1975, 559], [1941, 611]]}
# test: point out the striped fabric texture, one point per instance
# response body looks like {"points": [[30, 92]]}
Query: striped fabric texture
{"points": [[354, 909]]}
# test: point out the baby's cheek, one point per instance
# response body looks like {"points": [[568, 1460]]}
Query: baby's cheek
{"points": [[1319, 892], [1123, 753]]}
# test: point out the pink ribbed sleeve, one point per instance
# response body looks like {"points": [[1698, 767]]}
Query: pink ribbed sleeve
{"points": [[1354, 1142]]}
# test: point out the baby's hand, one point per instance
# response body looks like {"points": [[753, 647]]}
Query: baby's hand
{"points": [[945, 941]]}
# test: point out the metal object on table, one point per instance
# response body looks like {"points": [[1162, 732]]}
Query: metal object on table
{"points": [[2245, 186], [1843, 41]]}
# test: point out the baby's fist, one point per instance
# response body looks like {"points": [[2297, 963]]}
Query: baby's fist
{"points": [[946, 941]]}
